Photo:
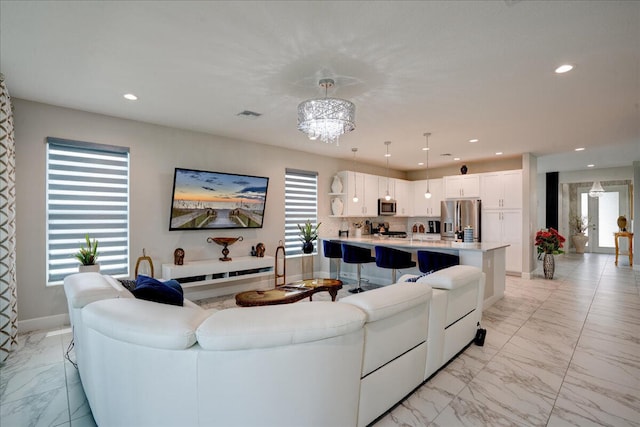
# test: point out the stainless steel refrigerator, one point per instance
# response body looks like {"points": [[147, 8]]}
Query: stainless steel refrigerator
{"points": [[456, 215]]}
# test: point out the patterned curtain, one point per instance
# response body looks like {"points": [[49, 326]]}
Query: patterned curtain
{"points": [[8, 295]]}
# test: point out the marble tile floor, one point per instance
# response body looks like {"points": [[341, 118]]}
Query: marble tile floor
{"points": [[561, 352]]}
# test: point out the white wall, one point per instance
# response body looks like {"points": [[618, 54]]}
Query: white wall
{"points": [[155, 152]]}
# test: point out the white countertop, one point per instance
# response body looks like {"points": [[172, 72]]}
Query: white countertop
{"points": [[410, 243]]}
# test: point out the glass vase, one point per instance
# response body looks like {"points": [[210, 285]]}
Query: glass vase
{"points": [[548, 266]]}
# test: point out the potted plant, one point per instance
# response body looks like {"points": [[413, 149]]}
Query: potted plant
{"points": [[578, 225], [88, 256], [308, 233], [549, 243]]}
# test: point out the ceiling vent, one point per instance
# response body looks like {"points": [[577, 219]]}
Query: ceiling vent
{"points": [[249, 114]]}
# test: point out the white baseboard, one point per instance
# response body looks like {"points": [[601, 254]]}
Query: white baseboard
{"points": [[40, 323]]}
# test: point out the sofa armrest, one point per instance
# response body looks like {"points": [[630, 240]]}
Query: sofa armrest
{"points": [[84, 288], [453, 277]]}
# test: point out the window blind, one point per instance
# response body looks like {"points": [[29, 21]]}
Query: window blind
{"points": [[87, 193], [301, 204]]}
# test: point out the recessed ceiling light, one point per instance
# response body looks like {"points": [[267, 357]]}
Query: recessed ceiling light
{"points": [[564, 68], [425, 148], [387, 155], [474, 140], [499, 153], [420, 163], [130, 97], [456, 158], [590, 166], [579, 149]]}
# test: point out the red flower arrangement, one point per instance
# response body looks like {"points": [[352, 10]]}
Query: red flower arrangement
{"points": [[549, 241]]}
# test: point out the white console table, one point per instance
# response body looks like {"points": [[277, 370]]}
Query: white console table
{"points": [[206, 272]]}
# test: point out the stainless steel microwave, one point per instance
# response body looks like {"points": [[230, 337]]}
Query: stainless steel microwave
{"points": [[386, 207]]}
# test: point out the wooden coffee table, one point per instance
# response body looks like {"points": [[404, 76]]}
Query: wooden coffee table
{"points": [[289, 293]]}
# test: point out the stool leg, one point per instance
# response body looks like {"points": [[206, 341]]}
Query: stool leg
{"points": [[359, 288], [393, 276]]}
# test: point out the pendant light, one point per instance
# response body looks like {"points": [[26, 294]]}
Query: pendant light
{"points": [[596, 190], [387, 196], [427, 194], [355, 180]]}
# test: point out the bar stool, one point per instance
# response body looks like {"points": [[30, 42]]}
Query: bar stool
{"points": [[393, 259], [333, 250], [434, 261], [356, 255]]}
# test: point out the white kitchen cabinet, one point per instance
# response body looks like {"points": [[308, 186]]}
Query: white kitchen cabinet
{"points": [[363, 185], [462, 186], [400, 191], [423, 206], [505, 227], [404, 197], [501, 190]]}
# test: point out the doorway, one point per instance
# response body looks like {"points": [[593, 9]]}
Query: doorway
{"points": [[603, 213]]}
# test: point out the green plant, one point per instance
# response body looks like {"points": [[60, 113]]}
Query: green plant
{"points": [[308, 233], [88, 255], [549, 241], [578, 224]]}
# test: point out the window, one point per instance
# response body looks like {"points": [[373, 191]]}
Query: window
{"points": [[87, 193], [300, 205]]}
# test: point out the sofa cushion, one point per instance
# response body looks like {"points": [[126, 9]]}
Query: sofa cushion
{"points": [[453, 277], [150, 289], [277, 325], [145, 323], [389, 300]]}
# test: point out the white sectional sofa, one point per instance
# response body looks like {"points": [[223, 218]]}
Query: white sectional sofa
{"points": [[305, 364]]}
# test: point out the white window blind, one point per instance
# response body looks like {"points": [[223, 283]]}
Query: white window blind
{"points": [[87, 193], [301, 204]]}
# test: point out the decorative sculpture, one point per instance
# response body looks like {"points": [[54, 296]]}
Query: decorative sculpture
{"points": [[225, 241]]}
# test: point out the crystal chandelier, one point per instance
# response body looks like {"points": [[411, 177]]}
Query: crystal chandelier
{"points": [[596, 190], [326, 118]]}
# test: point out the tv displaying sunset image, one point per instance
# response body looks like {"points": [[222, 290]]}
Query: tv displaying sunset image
{"points": [[215, 200]]}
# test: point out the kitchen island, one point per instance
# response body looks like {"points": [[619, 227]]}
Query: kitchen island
{"points": [[490, 257]]}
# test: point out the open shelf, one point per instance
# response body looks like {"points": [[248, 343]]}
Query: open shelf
{"points": [[206, 272]]}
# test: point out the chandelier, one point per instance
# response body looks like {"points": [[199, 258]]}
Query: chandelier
{"points": [[596, 190], [326, 118]]}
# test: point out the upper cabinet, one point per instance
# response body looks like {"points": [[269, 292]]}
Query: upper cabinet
{"points": [[502, 190], [400, 191], [423, 206], [462, 186], [360, 186]]}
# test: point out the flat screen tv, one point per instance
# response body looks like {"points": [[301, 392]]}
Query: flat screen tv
{"points": [[205, 200]]}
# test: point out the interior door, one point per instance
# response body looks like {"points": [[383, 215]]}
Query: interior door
{"points": [[603, 213]]}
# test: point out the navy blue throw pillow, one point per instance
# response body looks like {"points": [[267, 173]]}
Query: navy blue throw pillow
{"points": [[415, 279], [174, 284], [150, 289]]}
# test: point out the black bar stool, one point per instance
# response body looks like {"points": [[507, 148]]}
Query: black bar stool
{"points": [[434, 261], [356, 255], [333, 250], [393, 259]]}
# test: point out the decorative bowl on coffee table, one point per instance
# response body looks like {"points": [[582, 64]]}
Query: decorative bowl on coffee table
{"points": [[224, 241]]}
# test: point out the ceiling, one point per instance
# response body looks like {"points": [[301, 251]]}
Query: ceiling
{"points": [[460, 70]]}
